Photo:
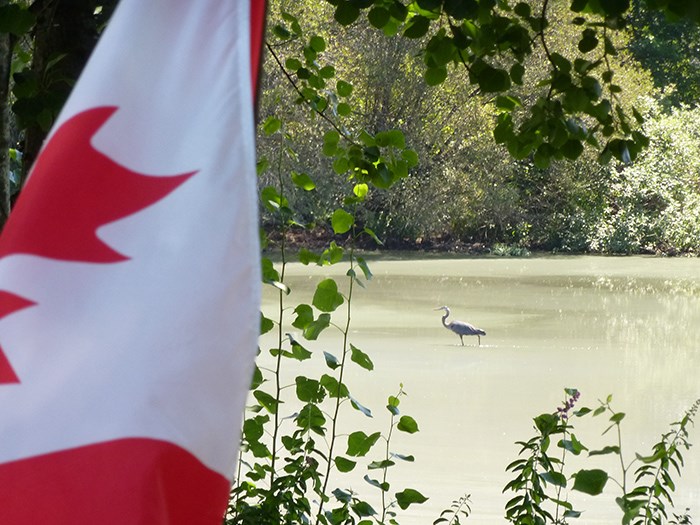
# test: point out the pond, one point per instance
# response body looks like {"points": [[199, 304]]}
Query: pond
{"points": [[626, 326]]}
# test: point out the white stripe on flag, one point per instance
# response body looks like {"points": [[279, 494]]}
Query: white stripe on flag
{"points": [[144, 325]]}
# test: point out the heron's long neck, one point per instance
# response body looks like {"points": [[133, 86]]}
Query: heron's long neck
{"points": [[444, 319]]}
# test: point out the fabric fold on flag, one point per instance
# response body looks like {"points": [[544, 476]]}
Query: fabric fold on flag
{"points": [[129, 278]]}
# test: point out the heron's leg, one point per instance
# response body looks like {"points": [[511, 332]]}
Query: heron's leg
{"points": [[477, 335], [461, 338]]}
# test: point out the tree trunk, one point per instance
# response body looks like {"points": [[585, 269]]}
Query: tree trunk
{"points": [[65, 29], [5, 63]]}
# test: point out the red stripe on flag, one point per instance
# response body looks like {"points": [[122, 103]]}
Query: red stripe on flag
{"points": [[123, 482], [10, 303], [257, 28]]}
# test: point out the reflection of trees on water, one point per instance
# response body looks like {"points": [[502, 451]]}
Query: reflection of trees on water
{"points": [[655, 324], [645, 314]]}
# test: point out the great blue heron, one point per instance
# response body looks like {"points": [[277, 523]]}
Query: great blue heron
{"points": [[459, 327]]}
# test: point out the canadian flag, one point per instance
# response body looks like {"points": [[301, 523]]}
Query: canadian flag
{"points": [[129, 278]]}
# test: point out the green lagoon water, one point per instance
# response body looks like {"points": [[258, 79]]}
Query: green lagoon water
{"points": [[626, 326]]}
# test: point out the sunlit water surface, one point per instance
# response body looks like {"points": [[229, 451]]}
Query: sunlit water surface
{"points": [[628, 326]]}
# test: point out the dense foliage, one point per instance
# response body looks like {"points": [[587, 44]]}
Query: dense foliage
{"points": [[505, 110], [466, 190]]}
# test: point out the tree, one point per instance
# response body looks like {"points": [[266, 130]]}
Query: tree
{"points": [[669, 50], [549, 100], [44, 45]]}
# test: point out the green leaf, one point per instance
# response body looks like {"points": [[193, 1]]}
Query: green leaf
{"points": [[343, 109], [576, 99], [299, 352], [492, 80], [280, 286], [546, 423], [615, 7], [341, 221], [272, 199], [344, 464], [410, 459], [317, 43], [329, 149], [373, 236], [555, 478], [516, 73], [543, 156], [573, 445], [308, 257], [331, 137], [651, 459], [395, 138], [341, 165], [360, 190], [507, 103], [362, 359], [588, 42], [262, 165], [265, 324], [410, 156], [408, 497], [309, 390], [417, 27], [327, 72], [326, 298], [522, 9], [257, 379], [332, 255], [572, 149], [359, 443], [590, 482], [378, 17], [271, 125], [435, 75], [253, 428], [375, 483], [429, 5], [334, 388], [344, 89], [281, 32], [267, 401], [398, 11], [305, 315], [314, 329], [365, 269], [303, 181], [604, 451], [342, 496], [346, 13], [15, 19], [357, 406], [363, 509], [311, 418], [407, 424], [293, 64], [617, 417], [331, 361], [268, 270], [386, 463]]}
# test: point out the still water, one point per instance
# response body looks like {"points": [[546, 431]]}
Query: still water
{"points": [[628, 326]]}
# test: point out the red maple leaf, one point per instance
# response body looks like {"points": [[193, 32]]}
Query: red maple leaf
{"points": [[73, 190], [9, 303]]}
